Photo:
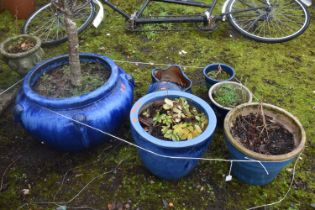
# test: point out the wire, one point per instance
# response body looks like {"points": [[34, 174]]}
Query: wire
{"points": [[12, 86]]}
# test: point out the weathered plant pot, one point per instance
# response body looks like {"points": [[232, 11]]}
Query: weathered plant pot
{"points": [[24, 61], [163, 167], [213, 67], [172, 78], [105, 108], [254, 173], [220, 110]]}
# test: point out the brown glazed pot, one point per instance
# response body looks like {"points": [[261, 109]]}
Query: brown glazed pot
{"points": [[21, 9]]}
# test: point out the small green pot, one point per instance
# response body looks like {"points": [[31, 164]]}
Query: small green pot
{"points": [[23, 61]]}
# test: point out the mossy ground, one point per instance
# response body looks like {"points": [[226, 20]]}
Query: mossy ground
{"points": [[281, 74]]}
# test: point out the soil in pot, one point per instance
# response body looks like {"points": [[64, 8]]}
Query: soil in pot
{"points": [[262, 134], [219, 74], [21, 44], [229, 96], [173, 120], [57, 84]]}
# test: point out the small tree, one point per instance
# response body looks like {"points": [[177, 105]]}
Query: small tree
{"points": [[70, 8]]}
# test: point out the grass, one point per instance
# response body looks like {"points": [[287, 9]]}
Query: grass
{"points": [[229, 96], [281, 74]]}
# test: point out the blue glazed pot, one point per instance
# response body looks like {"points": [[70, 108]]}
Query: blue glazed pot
{"points": [[104, 108], [163, 167], [213, 67], [221, 110], [254, 173], [167, 79]]}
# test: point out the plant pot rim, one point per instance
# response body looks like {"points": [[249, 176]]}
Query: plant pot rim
{"points": [[215, 86], [74, 101], [4, 52], [182, 72], [155, 96], [206, 70], [283, 157]]}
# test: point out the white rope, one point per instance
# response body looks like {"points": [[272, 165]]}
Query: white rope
{"points": [[152, 152], [260, 164], [286, 194], [155, 64], [12, 86]]}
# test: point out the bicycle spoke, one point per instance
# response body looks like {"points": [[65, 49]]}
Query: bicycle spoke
{"points": [[42, 28], [280, 20], [48, 24]]}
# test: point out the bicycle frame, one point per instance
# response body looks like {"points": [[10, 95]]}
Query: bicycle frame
{"points": [[137, 18]]}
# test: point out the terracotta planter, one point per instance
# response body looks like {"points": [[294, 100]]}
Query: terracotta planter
{"points": [[21, 9], [1, 5]]}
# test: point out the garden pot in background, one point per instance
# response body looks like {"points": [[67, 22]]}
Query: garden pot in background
{"points": [[163, 167], [105, 108], [21, 9], [172, 78], [222, 110], [22, 61], [254, 172], [230, 72]]}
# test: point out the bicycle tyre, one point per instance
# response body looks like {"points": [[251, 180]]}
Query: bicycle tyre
{"points": [[37, 13], [265, 38]]}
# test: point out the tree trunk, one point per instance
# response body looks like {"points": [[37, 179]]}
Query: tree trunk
{"points": [[74, 59]]}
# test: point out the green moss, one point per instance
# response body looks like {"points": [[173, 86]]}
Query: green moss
{"points": [[280, 74]]}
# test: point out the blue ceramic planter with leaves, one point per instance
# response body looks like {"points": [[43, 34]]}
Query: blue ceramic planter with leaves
{"points": [[165, 167], [50, 119]]}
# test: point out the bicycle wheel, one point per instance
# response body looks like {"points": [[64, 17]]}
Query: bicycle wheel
{"points": [[48, 24], [269, 20]]}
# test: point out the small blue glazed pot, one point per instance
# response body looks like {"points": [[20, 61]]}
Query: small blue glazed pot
{"points": [[221, 110], [269, 166], [214, 67], [172, 78], [104, 108], [164, 167]]}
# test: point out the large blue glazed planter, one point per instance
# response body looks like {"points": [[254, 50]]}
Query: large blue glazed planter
{"points": [[269, 166], [104, 108], [213, 67], [164, 167]]}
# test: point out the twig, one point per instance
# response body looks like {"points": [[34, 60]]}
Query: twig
{"points": [[219, 70], [60, 204], [264, 120], [92, 180], [5, 171], [65, 174]]}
